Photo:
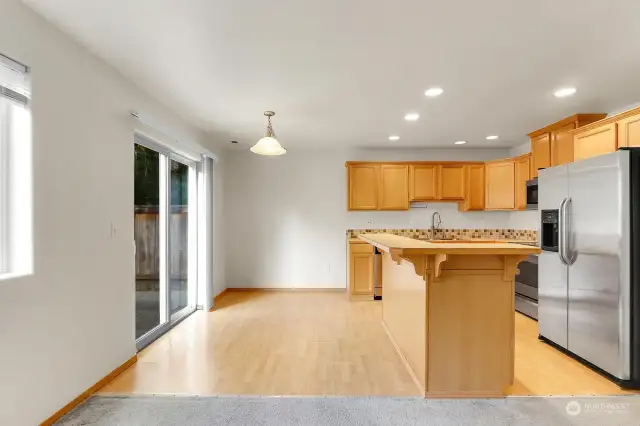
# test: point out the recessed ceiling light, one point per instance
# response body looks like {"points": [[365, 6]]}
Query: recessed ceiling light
{"points": [[432, 92], [564, 92], [460, 142], [411, 116], [394, 138], [492, 137]]}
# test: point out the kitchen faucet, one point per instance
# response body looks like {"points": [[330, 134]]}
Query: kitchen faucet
{"points": [[435, 227]]}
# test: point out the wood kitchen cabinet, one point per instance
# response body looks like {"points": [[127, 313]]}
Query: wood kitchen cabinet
{"points": [[522, 175], [394, 187], [553, 145], [363, 186], [361, 270], [541, 151], [451, 182], [607, 135], [629, 131], [474, 199], [562, 145], [374, 186], [500, 185], [437, 182], [423, 182], [595, 141]]}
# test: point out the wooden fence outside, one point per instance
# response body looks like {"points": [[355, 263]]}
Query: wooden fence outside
{"points": [[147, 238]]}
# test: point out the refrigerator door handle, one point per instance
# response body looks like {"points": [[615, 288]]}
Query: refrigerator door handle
{"points": [[566, 231], [561, 232]]}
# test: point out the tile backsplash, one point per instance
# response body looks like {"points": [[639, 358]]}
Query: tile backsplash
{"points": [[457, 234]]}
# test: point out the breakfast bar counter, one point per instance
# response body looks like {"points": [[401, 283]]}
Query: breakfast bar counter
{"points": [[448, 308]]}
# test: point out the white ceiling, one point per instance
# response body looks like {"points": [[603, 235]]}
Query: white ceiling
{"points": [[345, 72]]}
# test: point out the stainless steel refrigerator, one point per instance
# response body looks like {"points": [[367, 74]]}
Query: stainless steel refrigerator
{"points": [[589, 268]]}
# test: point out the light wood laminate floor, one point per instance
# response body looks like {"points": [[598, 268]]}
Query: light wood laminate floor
{"points": [[315, 343]]}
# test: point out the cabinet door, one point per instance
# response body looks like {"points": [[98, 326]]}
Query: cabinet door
{"points": [[594, 142], [423, 182], [500, 184], [629, 131], [474, 198], [363, 187], [522, 176], [451, 182], [562, 145], [361, 274], [541, 152], [394, 188]]}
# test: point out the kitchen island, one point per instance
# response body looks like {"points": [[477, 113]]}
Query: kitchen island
{"points": [[448, 308]]}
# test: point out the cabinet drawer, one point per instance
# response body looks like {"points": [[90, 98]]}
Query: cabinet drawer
{"points": [[361, 248]]}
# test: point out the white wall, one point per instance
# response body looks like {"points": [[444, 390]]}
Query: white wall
{"points": [[72, 322], [286, 217], [517, 150]]}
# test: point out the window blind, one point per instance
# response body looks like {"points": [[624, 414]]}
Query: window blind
{"points": [[14, 80]]}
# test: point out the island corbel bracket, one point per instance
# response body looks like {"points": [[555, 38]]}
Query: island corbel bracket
{"points": [[423, 264], [511, 266], [419, 263], [396, 255]]}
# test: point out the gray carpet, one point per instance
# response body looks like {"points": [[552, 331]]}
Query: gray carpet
{"points": [[352, 411]]}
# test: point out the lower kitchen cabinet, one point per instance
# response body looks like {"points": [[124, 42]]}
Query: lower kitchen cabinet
{"points": [[361, 270], [500, 185]]}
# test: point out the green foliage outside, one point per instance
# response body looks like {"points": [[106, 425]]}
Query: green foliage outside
{"points": [[147, 179]]}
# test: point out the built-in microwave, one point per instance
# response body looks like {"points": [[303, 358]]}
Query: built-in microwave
{"points": [[532, 194]]}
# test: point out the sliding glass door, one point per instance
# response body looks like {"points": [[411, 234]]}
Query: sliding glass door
{"points": [[165, 203], [147, 240], [181, 241]]}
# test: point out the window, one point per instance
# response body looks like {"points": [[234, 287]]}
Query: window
{"points": [[15, 168]]}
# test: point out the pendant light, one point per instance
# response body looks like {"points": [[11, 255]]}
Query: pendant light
{"points": [[268, 145]]}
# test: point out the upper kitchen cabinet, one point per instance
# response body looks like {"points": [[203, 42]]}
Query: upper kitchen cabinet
{"points": [[629, 130], [541, 151], [562, 145], [604, 136], [375, 186], [394, 187], [423, 182], [363, 186], [594, 141], [474, 199], [500, 185], [437, 182], [522, 175], [451, 182], [553, 144]]}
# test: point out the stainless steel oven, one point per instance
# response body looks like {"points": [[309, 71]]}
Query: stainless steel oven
{"points": [[526, 286]]}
